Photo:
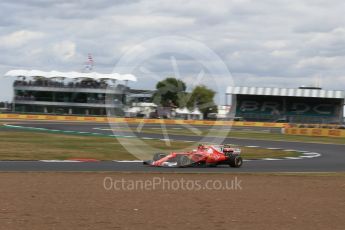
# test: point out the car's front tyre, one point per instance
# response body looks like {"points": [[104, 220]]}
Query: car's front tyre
{"points": [[236, 161]]}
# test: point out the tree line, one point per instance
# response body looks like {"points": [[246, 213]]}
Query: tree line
{"points": [[171, 92]]}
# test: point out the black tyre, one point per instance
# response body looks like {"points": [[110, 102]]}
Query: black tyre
{"points": [[183, 161], [236, 162], [158, 156]]}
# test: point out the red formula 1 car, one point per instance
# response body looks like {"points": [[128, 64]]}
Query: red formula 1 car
{"points": [[204, 155]]}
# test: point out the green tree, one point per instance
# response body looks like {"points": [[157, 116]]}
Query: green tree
{"points": [[203, 99], [171, 92]]}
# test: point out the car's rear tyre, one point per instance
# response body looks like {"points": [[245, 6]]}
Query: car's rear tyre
{"points": [[158, 156], [183, 161], [236, 162]]}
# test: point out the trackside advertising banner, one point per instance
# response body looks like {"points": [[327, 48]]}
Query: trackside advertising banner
{"points": [[138, 120], [316, 132]]}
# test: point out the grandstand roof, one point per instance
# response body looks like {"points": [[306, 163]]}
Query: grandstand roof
{"points": [[287, 92], [70, 75]]}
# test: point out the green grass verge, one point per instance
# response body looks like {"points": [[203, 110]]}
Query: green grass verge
{"points": [[36, 145]]}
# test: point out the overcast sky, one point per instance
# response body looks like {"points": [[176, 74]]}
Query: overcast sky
{"points": [[281, 43]]}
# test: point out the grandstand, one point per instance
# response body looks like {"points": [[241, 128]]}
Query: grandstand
{"points": [[68, 92], [301, 105]]}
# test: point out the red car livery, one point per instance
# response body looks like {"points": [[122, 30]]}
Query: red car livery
{"points": [[204, 155]]}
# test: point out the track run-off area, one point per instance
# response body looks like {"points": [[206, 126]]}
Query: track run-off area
{"points": [[316, 157]]}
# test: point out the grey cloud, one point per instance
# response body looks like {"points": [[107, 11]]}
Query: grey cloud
{"points": [[261, 42]]}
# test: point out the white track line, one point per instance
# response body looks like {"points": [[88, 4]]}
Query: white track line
{"points": [[293, 158], [272, 159], [310, 153]]}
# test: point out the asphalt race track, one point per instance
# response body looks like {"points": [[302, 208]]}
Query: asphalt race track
{"points": [[332, 157]]}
